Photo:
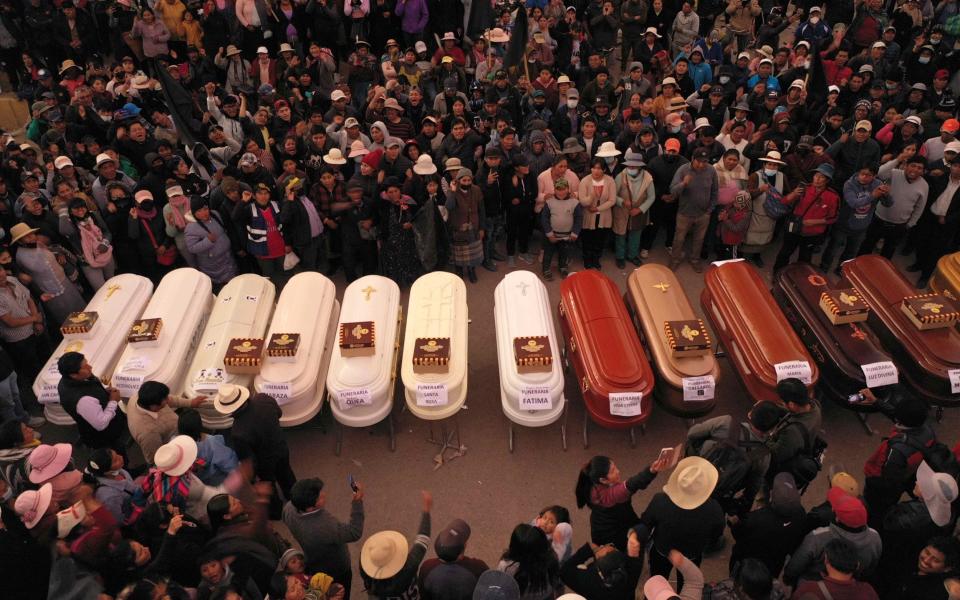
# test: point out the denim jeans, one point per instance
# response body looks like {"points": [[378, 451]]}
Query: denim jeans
{"points": [[10, 407], [493, 228], [850, 240]]}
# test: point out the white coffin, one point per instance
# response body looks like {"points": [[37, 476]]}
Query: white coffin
{"points": [[354, 381], [241, 310], [182, 301], [437, 307], [118, 304], [522, 308], [308, 306]]}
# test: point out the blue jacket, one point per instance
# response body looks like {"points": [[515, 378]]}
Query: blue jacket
{"points": [[220, 460], [858, 205]]}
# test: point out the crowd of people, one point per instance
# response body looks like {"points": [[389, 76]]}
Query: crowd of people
{"points": [[404, 136]]}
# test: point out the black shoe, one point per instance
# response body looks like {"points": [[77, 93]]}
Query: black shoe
{"points": [[757, 260], [636, 260], [494, 255], [914, 268], [488, 265], [621, 263], [472, 274], [458, 271]]}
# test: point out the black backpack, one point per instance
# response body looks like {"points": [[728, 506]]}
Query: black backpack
{"points": [[732, 460], [808, 462]]}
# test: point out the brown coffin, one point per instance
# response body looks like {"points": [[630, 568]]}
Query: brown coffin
{"points": [[946, 277], [655, 296], [603, 347], [924, 358], [839, 350], [751, 327]]}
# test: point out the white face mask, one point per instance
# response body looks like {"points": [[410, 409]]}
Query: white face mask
{"points": [[769, 172], [633, 171], [923, 60], [571, 104], [724, 79], [814, 20], [675, 128]]}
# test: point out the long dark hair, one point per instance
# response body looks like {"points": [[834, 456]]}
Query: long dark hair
{"points": [[537, 565], [590, 475]]}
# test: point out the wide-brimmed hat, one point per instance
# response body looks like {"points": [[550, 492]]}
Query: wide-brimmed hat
{"points": [[633, 159], [449, 36], [334, 157], [424, 165], [452, 164], [232, 50], [572, 146], [176, 456], [229, 398], [772, 156], [677, 104], [384, 554], [652, 30], [825, 169], [31, 505], [285, 47], [393, 104], [18, 231], [607, 150], [357, 149], [67, 65], [497, 35], [691, 482], [938, 490], [46, 461]]}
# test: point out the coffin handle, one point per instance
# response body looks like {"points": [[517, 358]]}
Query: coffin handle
{"points": [[573, 345], [562, 312], [585, 385]]}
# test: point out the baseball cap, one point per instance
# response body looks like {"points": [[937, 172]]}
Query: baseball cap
{"points": [[942, 74], [337, 95], [914, 119], [879, 45], [452, 540], [351, 122], [672, 144], [864, 124], [849, 511], [701, 154], [846, 482], [952, 147]]}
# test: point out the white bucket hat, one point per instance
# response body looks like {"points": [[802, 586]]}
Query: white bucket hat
{"points": [[334, 157], [938, 490], [176, 456], [608, 149], [424, 165]]}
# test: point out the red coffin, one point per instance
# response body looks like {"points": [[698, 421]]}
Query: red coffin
{"points": [[924, 358], [751, 328], [603, 348]]}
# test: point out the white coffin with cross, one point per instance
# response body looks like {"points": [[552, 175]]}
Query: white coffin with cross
{"points": [[182, 302], [242, 309], [118, 304], [436, 309], [361, 387], [307, 308], [531, 396]]}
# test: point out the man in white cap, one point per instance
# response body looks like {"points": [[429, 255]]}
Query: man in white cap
{"points": [[107, 173]]}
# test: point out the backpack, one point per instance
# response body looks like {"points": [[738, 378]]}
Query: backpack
{"points": [[773, 204], [732, 463], [940, 457], [808, 462]]}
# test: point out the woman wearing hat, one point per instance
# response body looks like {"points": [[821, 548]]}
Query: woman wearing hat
{"points": [[237, 68], [767, 182], [90, 238], [635, 196], [59, 295], [465, 206], [146, 228], [388, 565], [815, 207]]}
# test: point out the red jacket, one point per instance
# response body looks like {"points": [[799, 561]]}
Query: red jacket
{"points": [[817, 205]]}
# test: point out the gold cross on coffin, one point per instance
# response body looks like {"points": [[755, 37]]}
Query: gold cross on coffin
{"points": [[112, 289], [662, 287], [368, 290]]}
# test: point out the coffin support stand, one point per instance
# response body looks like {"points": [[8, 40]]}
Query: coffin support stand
{"points": [[563, 430], [586, 435], [446, 442], [866, 424], [393, 438]]}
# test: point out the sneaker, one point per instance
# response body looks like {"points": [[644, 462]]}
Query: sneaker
{"points": [[636, 260], [564, 273], [525, 257], [488, 265], [621, 264], [697, 266], [644, 253], [511, 262], [35, 422], [548, 275]]}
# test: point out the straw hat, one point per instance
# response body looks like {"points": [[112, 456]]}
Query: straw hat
{"points": [[424, 165], [357, 149], [19, 230], [608, 149], [229, 398], [46, 462], [652, 30], [232, 51], [176, 456], [67, 65], [31, 505], [772, 157], [334, 157], [392, 104], [497, 35], [140, 82], [691, 482], [384, 554], [285, 47], [452, 164]]}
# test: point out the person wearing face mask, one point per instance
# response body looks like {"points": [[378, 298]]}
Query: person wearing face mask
{"points": [[89, 237], [664, 210], [921, 64], [631, 214], [814, 29]]}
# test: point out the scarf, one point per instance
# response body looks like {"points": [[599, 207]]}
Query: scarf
{"points": [[96, 251], [147, 214], [180, 206]]}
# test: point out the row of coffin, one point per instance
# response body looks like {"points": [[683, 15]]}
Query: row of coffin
{"points": [[768, 337]]}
